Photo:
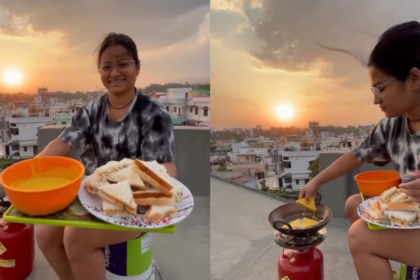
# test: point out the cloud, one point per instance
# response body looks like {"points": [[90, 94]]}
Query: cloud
{"points": [[153, 24], [288, 32]]}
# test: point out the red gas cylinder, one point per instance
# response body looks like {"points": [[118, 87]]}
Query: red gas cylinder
{"points": [[17, 251], [301, 265]]}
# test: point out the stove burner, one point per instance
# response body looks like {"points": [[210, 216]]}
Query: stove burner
{"points": [[301, 242]]}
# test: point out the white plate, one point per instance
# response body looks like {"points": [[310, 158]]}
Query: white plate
{"points": [[93, 204], [365, 206]]}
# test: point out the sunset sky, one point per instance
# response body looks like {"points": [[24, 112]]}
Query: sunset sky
{"points": [[263, 54], [52, 42]]}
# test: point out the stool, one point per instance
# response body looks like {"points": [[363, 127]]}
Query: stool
{"points": [[131, 260], [409, 273]]}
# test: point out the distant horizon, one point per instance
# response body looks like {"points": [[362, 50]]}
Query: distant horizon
{"points": [[73, 91], [299, 127]]}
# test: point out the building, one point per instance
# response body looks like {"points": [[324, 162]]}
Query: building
{"points": [[295, 173], [186, 106], [19, 135]]}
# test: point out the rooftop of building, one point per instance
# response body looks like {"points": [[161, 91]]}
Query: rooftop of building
{"points": [[242, 245]]}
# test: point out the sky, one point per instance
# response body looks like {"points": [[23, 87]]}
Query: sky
{"points": [[264, 54], [52, 43]]}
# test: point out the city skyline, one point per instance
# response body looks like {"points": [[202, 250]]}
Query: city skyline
{"points": [[263, 57], [56, 50]]}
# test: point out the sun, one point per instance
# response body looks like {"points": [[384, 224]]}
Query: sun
{"points": [[285, 112], [12, 77]]}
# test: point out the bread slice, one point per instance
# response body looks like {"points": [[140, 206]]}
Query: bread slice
{"points": [[110, 209], [127, 162], [387, 195], [400, 197], [401, 218], [309, 204], [153, 197], [403, 206], [155, 174], [129, 175], [93, 183], [119, 195], [156, 214], [104, 170]]}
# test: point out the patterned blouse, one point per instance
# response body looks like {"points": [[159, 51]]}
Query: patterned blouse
{"points": [[144, 132], [392, 141]]}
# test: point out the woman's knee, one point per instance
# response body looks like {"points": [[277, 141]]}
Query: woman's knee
{"points": [[49, 236], [357, 237], [352, 203]]}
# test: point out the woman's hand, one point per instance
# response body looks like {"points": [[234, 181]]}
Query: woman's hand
{"points": [[310, 189], [413, 188]]}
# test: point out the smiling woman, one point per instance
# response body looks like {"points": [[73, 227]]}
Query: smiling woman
{"points": [[12, 77]]}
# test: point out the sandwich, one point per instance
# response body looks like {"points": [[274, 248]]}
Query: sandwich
{"points": [[119, 195], [110, 209], [401, 218], [127, 174], [156, 214], [404, 206], [387, 195], [110, 167], [155, 174], [400, 197], [93, 183], [153, 197], [376, 216], [377, 204], [127, 162]]}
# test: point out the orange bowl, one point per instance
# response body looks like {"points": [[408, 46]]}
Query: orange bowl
{"points": [[47, 201], [374, 183]]}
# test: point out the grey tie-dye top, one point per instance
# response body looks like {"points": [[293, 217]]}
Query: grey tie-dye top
{"points": [[144, 132], [392, 141]]}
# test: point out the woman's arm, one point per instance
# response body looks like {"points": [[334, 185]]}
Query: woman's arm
{"points": [[341, 166], [55, 148]]}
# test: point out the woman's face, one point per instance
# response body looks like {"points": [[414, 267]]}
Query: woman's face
{"points": [[118, 70], [395, 97]]}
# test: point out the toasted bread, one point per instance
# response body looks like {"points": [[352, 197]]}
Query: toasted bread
{"points": [[110, 209], [93, 183], [153, 197], [401, 218], [155, 174], [127, 162], [119, 195], [129, 175], [156, 214], [404, 206], [104, 170], [387, 195]]}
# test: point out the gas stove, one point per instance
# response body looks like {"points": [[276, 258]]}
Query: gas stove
{"points": [[301, 242]]}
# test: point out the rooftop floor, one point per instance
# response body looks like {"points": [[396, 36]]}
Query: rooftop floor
{"points": [[184, 255], [242, 245]]}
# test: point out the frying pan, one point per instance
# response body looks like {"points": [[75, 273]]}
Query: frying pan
{"points": [[284, 214]]}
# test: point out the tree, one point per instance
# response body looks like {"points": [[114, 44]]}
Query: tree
{"points": [[304, 144], [222, 168], [314, 168], [204, 86], [263, 185]]}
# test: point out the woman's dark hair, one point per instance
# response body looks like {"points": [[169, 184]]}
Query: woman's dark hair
{"points": [[115, 39], [396, 53], [398, 50]]}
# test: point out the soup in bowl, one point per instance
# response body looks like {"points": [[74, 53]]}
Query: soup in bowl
{"points": [[42, 186]]}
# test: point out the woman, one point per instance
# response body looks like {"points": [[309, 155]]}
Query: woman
{"points": [[121, 124], [395, 77]]}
